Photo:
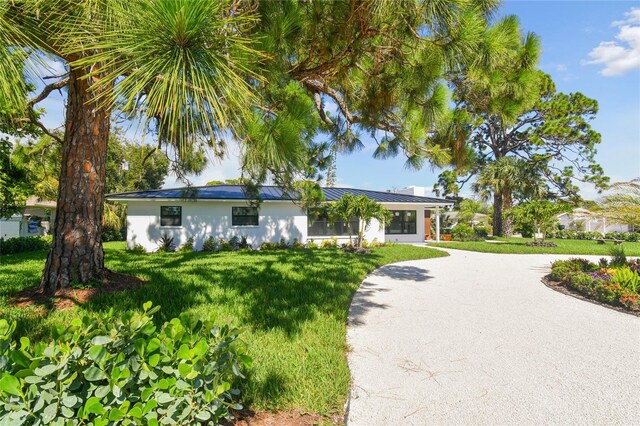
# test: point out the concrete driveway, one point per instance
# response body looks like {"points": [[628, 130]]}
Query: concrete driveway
{"points": [[476, 338]]}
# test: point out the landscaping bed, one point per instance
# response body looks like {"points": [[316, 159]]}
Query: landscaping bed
{"points": [[615, 283], [520, 246], [291, 305]]}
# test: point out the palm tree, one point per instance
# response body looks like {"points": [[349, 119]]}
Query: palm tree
{"points": [[364, 209], [623, 205], [179, 67]]}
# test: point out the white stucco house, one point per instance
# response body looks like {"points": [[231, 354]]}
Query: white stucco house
{"points": [[580, 219], [224, 211], [35, 220]]}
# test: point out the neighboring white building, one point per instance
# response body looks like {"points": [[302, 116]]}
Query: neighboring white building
{"points": [[223, 211], [35, 220], [583, 220]]}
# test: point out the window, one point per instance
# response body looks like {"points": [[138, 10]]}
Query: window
{"points": [[244, 216], [402, 222], [319, 225], [170, 216]]}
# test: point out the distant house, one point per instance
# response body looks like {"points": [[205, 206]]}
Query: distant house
{"points": [[580, 219], [224, 211], [478, 218], [35, 220]]}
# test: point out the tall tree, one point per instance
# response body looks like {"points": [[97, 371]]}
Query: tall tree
{"points": [[196, 72], [524, 136], [178, 66]]}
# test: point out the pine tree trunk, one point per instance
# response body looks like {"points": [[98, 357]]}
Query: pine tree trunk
{"points": [[497, 214], [76, 253]]}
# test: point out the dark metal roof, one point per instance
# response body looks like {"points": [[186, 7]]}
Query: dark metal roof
{"points": [[268, 193]]}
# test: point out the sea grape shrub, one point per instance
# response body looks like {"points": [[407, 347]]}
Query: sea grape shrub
{"points": [[24, 244], [122, 370]]}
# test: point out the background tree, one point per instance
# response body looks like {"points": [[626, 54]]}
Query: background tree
{"points": [[623, 205], [467, 210], [515, 119], [540, 214], [364, 209], [14, 182]]}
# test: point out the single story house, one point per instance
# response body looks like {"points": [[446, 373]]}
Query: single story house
{"points": [[580, 219], [35, 220], [224, 211]]}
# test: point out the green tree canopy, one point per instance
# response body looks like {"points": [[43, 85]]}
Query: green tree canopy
{"points": [[539, 214], [526, 140], [623, 204]]}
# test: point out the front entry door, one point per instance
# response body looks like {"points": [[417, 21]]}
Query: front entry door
{"points": [[427, 224]]}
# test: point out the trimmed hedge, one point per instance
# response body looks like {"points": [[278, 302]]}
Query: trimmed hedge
{"points": [[584, 235], [122, 370], [24, 244]]}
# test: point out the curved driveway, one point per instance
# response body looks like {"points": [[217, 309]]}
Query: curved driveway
{"points": [[476, 338]]}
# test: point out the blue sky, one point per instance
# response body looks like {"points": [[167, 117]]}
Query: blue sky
{"points": [[588, 46]]}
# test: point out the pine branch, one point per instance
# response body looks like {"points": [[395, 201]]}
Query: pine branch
{"points": [[47, 91]]}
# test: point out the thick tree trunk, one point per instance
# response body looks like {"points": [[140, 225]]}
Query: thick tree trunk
{"points": [[77, 254], [497, 214], [502, 226]]}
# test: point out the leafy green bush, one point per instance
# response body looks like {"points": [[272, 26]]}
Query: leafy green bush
{"points": [[187, 246], [110, 234], [312, 244], [481, 231], [561, 270], [332, 243], [267, 245], [24, 244], [463, 232], [137, 249], [296, 244], [224, 245], [210, 244], [122, 370]]}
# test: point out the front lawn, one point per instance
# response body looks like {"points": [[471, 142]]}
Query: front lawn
{"points": [[292, 303], [518, 245]]}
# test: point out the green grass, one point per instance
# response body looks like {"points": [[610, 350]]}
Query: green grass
{"points": [[518, 245], [293, 305]]}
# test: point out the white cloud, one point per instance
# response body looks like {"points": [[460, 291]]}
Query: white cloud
{"points": [[623, 54]]}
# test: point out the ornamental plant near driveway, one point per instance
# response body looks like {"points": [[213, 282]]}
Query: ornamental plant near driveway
{"points": [[122, 370], [617, 286]]}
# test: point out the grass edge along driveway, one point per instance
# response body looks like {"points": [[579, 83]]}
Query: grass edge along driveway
{"points": [[292, 304], [518, 246]]}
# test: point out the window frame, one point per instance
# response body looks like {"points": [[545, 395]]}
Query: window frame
{"points": [[165, 216], [352, 224], [404, 224], [233, 217]]}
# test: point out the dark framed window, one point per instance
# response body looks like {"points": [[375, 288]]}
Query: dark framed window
{"points": [[170, 216], [402, 222], [244, 216], [319, 225]]}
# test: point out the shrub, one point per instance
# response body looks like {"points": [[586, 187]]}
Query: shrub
{"points": [[234, 242], [110, 234], [627, 279], [312, 244], [541, 244], [561, 270], [224, 245], [357, 250], [463, 232], [137, 249], [618, 258], [210, 244], [187, 246], [244, 243], [332, 243], [166, 244], [481, 231], [282, 244], [267, 245], [24, 244], [296, 244], [122, 369]]}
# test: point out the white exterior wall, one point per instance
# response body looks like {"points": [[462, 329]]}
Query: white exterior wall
{"points": [[418, 237], [277, 219], [202, 219], [10, 228]]}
